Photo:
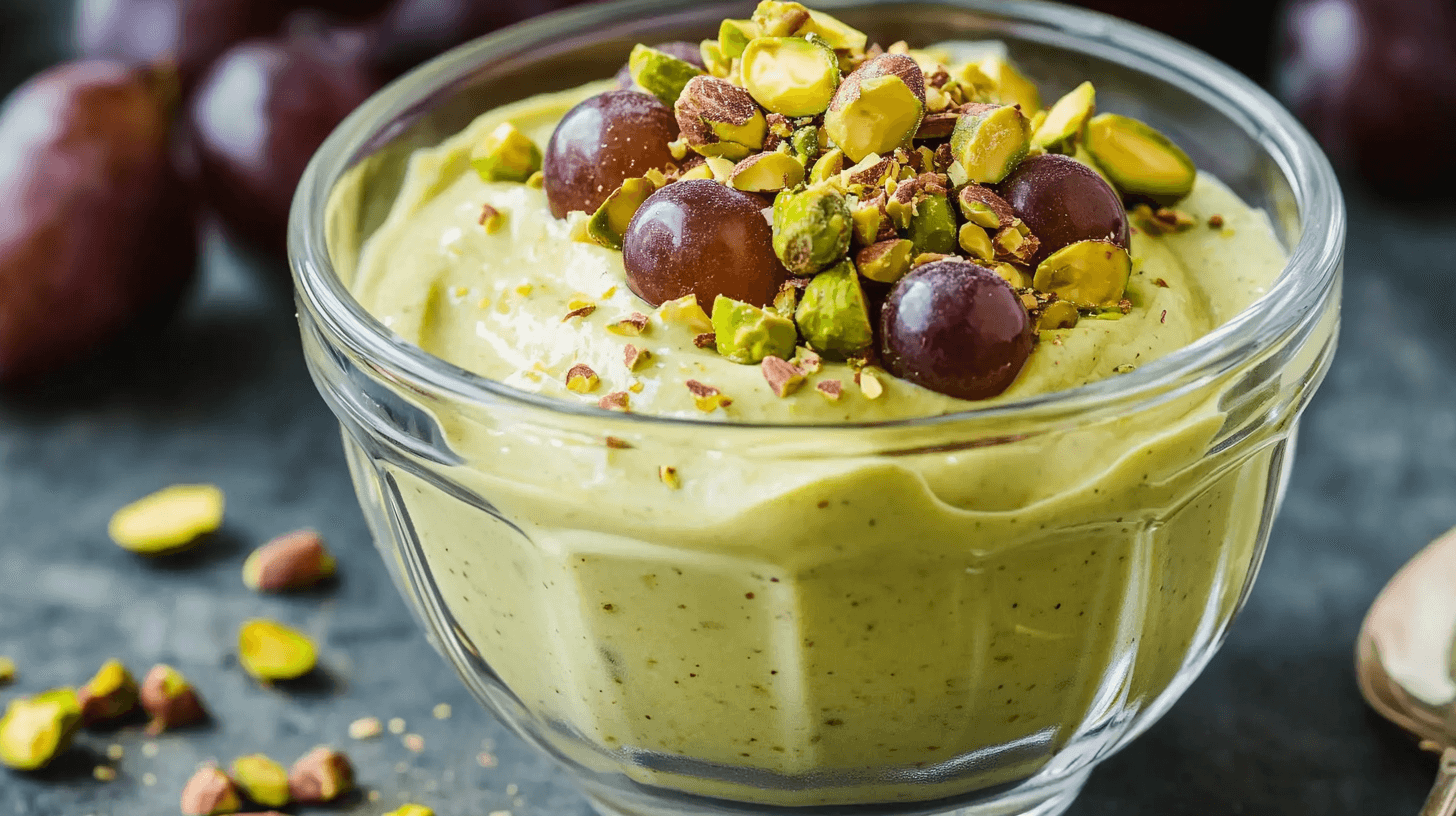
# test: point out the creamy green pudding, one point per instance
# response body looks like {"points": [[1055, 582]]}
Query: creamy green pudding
{"points": [[815, 622]]}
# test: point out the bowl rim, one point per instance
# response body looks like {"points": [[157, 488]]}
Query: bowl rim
{"points": [[1308, 279]]}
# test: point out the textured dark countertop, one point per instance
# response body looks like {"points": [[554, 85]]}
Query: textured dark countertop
{"points": [[1274, 726]]}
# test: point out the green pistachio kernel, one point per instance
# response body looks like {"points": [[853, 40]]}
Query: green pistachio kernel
{"points": [[878, 107], [263, 780], [989, 141], [767, 173], [805, 142], [506, 154], [1011, 86], [1060, 128], [835, 33], [1081, 154], [35, 729], [790, 75], [660, 74], [868, 219], [718, 63], [833, 315], [811, 229], [1058, 314], [827, 167], [747, 334], [1139, 159], [609, 223], [734, 36], [1016, 276], [976, 242], [270, 651], [720, 119], [933, 226], [886, 261], [1091, 274], [779, 19]]}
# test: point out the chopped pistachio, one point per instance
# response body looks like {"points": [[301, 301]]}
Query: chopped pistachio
{"points": [[1139, 159], [668, 475], [685, 312], [933, 226], [719, 119], [989, 141], [270, 651], [536, 181], [830, 389], [787, 299], [1059, 129], [982, 207], [1016, 243], [171, 701], [210, 793], [659, 73], [807, 360], [834, 32], [976, 243], [634, 358], [707, 398], [790, 75], [322, 775], [581, 379], [36, 729], [1011, 87], [782, 377], [112, 693], [719, 65], [870, 384], [734, 36], [492, 219], [168, 520], [870, 219], [811, 229], [609, 223], [805, 143], [767, 173], [506, 154], [262, 780], [1059, 314], [778, 19], [834, 316], [878, 107], [1088, 273], [828, 166], [885, 261], [615, 401], [747, 334]]}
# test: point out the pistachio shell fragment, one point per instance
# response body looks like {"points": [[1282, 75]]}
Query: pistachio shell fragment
{"points": [[1011, 86], [609, 223], [685, 312], [270, 651], [790, 75], [111, 694], [718, 64], [720, 119], [747, 334], [1059, 314], [989, 141], [36, 729], [886, 261], [869, 219], [168, 520], [1090, 274], [1139, 159], [933, 226], [766, 173], [811, 229], [1016, 243], [262, 780], [1062, 125], [833, 316], [659, 73], [805, 143], [506, 154], [975, 242], [878, 107]]}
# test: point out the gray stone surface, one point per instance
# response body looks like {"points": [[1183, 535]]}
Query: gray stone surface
{"points": [[1274, 726]]}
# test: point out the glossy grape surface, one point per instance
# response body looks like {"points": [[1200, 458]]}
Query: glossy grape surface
{"points": [[956, 328], [1064, 201], [701, 238], [600, 143]]}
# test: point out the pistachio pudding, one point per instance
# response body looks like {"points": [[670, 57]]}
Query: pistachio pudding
{"points": [[798, 505]]}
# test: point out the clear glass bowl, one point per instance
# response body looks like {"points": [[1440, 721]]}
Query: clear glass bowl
{"points": [[959, 614]]}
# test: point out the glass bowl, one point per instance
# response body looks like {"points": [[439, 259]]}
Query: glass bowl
{"points": [[959, 614]]}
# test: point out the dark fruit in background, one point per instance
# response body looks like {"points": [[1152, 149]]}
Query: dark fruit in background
{"points": [[1064, 201], [956, 328], [412, 31], [96, 232], [685, 51], [601, 142], [259, 115], [700, 238], [1375, 82]]}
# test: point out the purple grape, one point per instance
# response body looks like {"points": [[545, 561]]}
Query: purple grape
{"points": [[1064, 201], [602, 142]]}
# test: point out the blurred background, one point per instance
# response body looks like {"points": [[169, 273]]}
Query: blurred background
{"points": [[148, 153]]}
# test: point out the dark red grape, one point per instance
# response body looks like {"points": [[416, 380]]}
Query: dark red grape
{"points": [[191, 32], [97, 232], [259, 115], [600, 143], [700, 238], [685, 51], [1064, 201], [1375, 81], [956, 328]]}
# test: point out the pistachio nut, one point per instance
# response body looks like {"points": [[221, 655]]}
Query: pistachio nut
{"points": [[169, 699], [1061, 127], [1016, 243], [747, 334], [169, 520], [829, 166], [767, 173], [1139, 159], [878, 107], [659, 73], [973, 83], [805, 143], [933, 227], [1059, 314], [263, 780], [870, 220], [1018, 277], [834, 32], [984, 208], [834, 316], [210, 793], [506, 154], [811, 229], [411, 810], [685, 312], [111, 694], [975, 242], [787, 299], [1090, 274], [886, 261], [609, 223], [734, 36], [790, 75], [720, 119], [322, 775], [701, 170], [937, 125], [1011, 86], [35, 729], [989, 141], [873, 170], [718, 64], [296, 560], [270, 651]]}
